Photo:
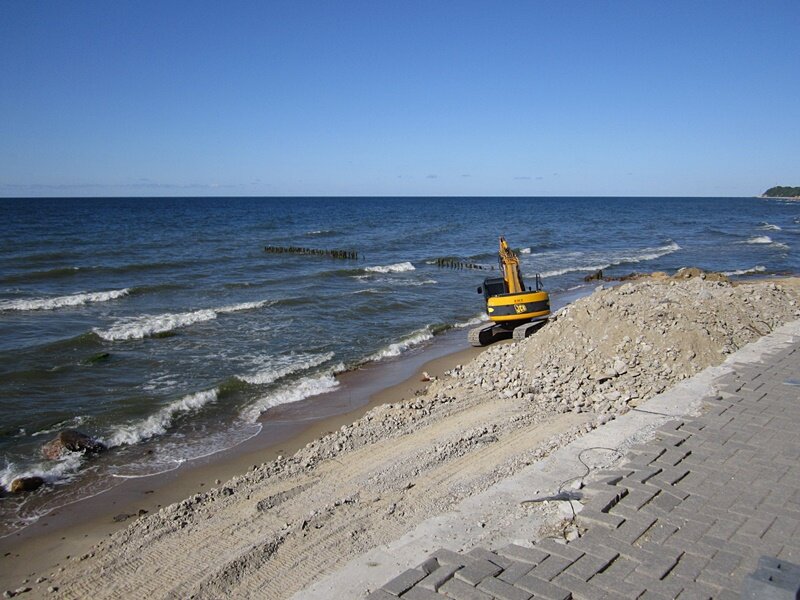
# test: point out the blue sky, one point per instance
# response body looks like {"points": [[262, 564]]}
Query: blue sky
{"points": [[398, 98]]}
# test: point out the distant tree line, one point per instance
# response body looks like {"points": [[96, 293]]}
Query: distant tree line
{"points": [[783, 191]]}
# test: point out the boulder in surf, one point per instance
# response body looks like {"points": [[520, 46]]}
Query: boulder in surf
{"points": [[71, 440]]}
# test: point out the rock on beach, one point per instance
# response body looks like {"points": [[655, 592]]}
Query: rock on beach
{"points": [[71, 440]]}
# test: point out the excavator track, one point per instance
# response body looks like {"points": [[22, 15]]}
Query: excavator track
{"points": [[528, 329]]}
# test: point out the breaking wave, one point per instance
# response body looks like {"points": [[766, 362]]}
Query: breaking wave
{"points": [[62, 301], [140, 327], [294, 392], [397, 348], [395, 268], [756, 269], [761, 239], [769, 227], [60, 470], [599, 263], [765, 240], [281, 367], [158, 423]]}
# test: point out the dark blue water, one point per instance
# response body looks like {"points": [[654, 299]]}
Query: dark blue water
{"points": [[162, 327]]}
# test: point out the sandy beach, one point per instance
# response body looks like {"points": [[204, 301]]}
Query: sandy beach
{"points": [[282, 517]]}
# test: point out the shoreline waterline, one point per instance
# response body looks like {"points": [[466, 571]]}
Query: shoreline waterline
{"points": [[285, 429]]}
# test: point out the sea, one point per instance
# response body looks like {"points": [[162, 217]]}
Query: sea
{"points": [[162, 327]]}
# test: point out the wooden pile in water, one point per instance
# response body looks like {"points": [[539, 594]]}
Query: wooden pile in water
{"points": [[452, 263], [330, 253]]}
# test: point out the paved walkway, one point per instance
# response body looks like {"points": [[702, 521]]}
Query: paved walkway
{"points": [[686, 516]]}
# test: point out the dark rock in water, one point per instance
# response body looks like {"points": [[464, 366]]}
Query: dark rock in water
{"points": [[596, 276], [71, 440], [26, 484], [164, 334], [97, 358]]}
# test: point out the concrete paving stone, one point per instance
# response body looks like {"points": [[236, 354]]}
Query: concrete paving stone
{"points": [[657, 534], [448, 557], [589, 545], [756, 526], [436, 579], [542, 589], [716, 580], [531, 556], [637, 498], [671, 457], [417, 593], [559, 549], [633, 528], [665, 501], [603, 499], [642, 472], [726, 526], [627, 512], [658, 565], [429, 565], [673, 475], [588, 566], [514, 572], [581, 590], [459, 590], [484, 554], [405, 581], [651, 595], [697, 591], [689, 566], [588, 517], [502, 590], [381, 595], [477, 571], [619, 587], [550, 567]]}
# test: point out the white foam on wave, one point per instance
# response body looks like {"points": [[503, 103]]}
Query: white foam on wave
{"points": [[761, 239], [770, 227], [62, 301], [158, 423], [756, 269], [637, 256], [63, 469], [294, 392], [279, 367], [395, 268], [525, 251], [481, 318], [397, 348], [140, 327], [765, 240]]}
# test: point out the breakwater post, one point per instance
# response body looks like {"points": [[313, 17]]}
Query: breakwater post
{"points": [[329, 253], [453, 263]]}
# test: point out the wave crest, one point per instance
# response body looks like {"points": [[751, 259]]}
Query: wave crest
{"points": [[158, 423], [294, 392], [274, 372], [140, 327], [395, 268], [62, 301]]}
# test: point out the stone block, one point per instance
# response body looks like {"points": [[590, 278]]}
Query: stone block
{"points": [[542, 589], [531, 556], [459, 590], [437, 578], [502, 590], [552, 546], [405, 581], [475, 572]]}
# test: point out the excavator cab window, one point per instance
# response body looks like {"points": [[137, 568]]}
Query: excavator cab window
{"points": [[493, 287]]}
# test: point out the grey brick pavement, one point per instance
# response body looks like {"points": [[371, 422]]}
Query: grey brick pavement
{"points": [[686, 516]]}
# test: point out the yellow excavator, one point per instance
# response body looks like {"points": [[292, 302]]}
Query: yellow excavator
{"points": [[513, 311]]}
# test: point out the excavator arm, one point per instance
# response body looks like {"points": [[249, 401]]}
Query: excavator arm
{"points": [[509, 263]]}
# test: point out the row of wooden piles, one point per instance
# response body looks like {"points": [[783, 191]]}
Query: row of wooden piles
{"points": [[330, 253]]}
